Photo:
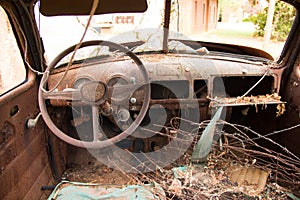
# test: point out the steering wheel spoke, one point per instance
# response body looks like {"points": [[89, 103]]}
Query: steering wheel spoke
{"points": [[68, 94], [123, 89], [97, 134]]}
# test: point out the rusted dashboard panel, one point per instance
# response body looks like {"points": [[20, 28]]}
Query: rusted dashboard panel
{"points": [[238, 85], [182, 85], [174, 89], [175, 79]]}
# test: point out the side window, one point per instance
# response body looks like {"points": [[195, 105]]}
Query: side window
{"points": [[12, 68]]}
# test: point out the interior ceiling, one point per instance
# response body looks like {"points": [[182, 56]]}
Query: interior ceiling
{"points": [[83, 7]]}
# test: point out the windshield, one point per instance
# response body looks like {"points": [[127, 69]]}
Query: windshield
{"points": [[240, 22]]}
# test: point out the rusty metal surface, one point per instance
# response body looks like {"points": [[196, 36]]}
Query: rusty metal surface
{"points": [[250, 180], [160, 67], [93, 91], [291, 94], [194, 70], [252, 100], [24, 160]]}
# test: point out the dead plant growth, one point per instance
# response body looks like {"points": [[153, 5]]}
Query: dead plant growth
{"points": [[213, 179], [260, 172]]}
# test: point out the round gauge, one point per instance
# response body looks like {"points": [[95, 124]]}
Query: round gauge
{"points": [[79, 82], [118, 81]]}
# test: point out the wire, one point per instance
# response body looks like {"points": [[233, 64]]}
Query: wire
{"points": [[26, 49], [246, 93], [280, 131], [256, 83], [262, 136], [93, 10]]}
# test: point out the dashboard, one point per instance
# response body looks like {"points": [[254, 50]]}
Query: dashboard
{"points": [[174, 79]]}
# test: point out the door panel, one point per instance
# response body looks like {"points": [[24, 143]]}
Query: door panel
{"points": [[24, 163], [291, 94], [24, 160]]}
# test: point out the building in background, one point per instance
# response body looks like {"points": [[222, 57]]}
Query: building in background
{"points": [[198, 16], [194, 16]]}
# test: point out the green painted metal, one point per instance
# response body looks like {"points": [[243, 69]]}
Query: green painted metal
{"points": [[86, 191], [204, 144]]}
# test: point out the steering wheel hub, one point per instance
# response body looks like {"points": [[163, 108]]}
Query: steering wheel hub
{"points": [[94, 92]]}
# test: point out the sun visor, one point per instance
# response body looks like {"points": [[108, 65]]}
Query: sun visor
{"points": [[83, 7]]}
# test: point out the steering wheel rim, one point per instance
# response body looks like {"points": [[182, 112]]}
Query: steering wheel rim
{"points": [[99, 143]]}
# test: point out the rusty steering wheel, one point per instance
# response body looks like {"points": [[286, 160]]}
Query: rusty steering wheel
{"points": [[71, 96]]}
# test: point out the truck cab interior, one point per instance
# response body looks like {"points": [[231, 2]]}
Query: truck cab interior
{"points": [[91, 111]]}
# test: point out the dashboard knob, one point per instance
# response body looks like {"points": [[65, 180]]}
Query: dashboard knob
{"points": [[133, 100]]}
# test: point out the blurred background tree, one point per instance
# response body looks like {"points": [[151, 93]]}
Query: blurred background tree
{"points": [[282, 21]]}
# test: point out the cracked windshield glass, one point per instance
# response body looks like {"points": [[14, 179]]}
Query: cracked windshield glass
{"points": [[241, 22]]}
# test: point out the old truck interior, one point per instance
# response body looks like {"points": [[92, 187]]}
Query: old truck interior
{"points": [[146, 114]]}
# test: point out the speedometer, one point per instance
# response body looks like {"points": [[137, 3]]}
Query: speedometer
{"points": [[119, 81]]}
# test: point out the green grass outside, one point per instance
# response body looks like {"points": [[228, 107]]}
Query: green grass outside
{"points": [[232, 33]]}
